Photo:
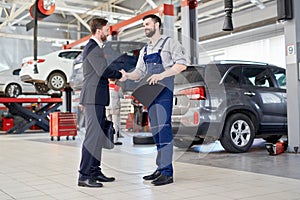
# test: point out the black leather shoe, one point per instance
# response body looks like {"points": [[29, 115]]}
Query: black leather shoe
{"points": [[152, 176], [118, 143], [89, 183], [103, 178], [163, 180]]}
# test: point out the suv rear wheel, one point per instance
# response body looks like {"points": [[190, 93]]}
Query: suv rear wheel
{"points": [[238, 133]]}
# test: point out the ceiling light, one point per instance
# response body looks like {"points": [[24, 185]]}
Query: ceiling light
{"points": [[258, 3], [5, 5]]}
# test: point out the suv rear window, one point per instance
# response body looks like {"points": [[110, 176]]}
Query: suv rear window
{"points": [[190, 75]]}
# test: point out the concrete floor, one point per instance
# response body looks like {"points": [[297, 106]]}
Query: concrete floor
{"points": [[34, 167], [257, 160]]}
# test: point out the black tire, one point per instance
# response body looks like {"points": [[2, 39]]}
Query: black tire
{"points": [[13, 90], [67, 137], [52, 138], [73, 137], [238, 134], [58, 138], [41, 88], [272, 138], [57, 81], [143, 139]]}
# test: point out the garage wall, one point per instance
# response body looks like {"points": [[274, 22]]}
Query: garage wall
{"points": [[271, 50], [17, 43], [13, 50]]}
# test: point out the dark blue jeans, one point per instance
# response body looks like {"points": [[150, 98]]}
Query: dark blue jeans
{"points": [[160, 112]]}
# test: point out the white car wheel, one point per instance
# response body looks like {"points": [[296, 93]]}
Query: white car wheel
{"points": [[57, 81], [13, 90]]}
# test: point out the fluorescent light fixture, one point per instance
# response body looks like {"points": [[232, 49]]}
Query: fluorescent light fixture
{"points": [[5, 5], [258, 3]]}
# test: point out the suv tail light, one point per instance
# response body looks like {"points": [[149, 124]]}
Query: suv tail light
{"points": [[195, 93]]}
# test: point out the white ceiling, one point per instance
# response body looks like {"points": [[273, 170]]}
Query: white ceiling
{"points": [[73, 15]]}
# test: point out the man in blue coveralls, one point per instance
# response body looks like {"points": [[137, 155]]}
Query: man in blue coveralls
{"points": [[159, 61]]}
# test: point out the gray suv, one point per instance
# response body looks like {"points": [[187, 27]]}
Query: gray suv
{"points": [[233, 101]]}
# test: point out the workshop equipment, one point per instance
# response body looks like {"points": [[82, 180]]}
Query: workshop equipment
{"points": [[277, 148], [63, 124]]}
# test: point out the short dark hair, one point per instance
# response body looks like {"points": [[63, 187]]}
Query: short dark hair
{"points": [[97, 23], [155, 18]]}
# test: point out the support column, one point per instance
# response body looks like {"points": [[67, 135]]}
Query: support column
{"points": [[292, 41], [189, 19], [168, 20]]}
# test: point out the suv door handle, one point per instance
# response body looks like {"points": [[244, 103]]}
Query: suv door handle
{"points": [[250, 94]]}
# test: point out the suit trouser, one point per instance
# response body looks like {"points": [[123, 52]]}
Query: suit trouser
{"points": [[160, 112], [92, 144]]}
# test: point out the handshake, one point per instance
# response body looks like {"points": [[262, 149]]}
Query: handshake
{"points": [[124, 75], [152, 80]]}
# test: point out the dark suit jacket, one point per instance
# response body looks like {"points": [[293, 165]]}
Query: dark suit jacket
{"points": [[95, 75]]}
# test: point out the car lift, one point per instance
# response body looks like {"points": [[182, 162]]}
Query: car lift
{"points": [[38, 118]]}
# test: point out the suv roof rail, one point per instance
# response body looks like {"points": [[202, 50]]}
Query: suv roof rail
{"points": [[239, 62]]}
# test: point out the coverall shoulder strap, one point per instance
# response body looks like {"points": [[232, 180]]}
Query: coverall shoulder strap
{"points": [[163, 44], [145, 49]]}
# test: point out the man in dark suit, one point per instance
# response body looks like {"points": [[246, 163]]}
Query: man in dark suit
{"points": [[94, 97]]}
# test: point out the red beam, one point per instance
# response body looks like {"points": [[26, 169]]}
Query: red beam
{"points": [[30, 100], [77, 42], [166, 9]]}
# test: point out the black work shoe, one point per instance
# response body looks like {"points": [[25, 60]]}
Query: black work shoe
{"points": [[89, 183], [103, 178], [162, 180], [152, 176]]}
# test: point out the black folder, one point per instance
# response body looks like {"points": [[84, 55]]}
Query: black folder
{"points": [[146, 93]]}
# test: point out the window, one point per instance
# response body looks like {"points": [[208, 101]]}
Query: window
{"points": [[233, 76], [280, 77], [257, 76], [191, 75], [69, 54]]}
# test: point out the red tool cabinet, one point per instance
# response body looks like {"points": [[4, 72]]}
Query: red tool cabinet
{"points": [[63, 124], [7, 123]]}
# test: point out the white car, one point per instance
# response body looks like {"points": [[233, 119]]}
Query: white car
{"points": [[12, 86], [53, 70]]}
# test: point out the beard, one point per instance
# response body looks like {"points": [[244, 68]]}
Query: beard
{"points": [[150, 32], [103, 38]]}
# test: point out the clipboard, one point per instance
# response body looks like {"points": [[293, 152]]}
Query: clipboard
{"points": [[146, 93]]}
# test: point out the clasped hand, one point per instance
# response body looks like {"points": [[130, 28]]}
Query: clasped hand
{"points": [[124, 75]]}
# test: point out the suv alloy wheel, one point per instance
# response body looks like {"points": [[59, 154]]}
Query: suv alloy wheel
{"points": [[238, 133]]}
